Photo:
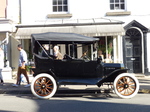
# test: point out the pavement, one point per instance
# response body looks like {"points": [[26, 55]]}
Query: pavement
{"points": [[7, 88]]}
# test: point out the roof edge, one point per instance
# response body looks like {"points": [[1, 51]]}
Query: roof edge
{"points": [[69, 24]]}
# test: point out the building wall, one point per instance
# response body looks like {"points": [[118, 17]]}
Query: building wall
{"points": [[88, 8], [148, 52], [138, 7], [31, 9], [2, 8], [36, 12], [5, 27], [13, 10], [139, 11], [78, 9]]}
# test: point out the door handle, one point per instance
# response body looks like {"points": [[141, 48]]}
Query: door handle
{"points": [[132, 59]]}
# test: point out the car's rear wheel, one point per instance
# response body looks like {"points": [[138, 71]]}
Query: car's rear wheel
{"points": [[43, 86], [126, 85]]}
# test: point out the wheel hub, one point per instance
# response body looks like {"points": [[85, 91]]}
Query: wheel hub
{"points": [[43, 86], [126, 86]]}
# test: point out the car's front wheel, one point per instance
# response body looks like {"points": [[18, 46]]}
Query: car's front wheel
{"points": [[126, 85], [43, 86]]}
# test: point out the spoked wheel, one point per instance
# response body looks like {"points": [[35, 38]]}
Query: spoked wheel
{"points": [[126, 85], [43, 86]]}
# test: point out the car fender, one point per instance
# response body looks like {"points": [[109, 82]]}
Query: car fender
{"points": [[111, 77], [48, 71]]}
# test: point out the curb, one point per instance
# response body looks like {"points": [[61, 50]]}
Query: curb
{"points": [[144, 91]]}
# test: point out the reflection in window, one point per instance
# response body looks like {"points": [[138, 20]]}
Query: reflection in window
{"points": [[105, 49], [60, 6], [117, 4], [129, 51]]}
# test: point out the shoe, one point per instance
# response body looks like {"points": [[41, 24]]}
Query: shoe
{"points": [[15, 85], [28, 85]]}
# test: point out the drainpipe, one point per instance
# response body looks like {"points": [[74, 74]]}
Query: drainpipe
{"points": [[20, 10]]}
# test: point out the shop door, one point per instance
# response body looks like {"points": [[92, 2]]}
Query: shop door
{"points": [[133, 50]]}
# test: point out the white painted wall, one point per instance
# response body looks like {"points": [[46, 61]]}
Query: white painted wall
{"points": [[33, 10], [88, 8], [138, 7], [36, 10], [148, 52], [140, 11], [13, 10]]}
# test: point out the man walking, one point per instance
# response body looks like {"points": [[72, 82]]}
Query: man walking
{"points": [[22, 67]]}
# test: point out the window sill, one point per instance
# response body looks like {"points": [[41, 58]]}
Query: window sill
{"points": [[59, 15], [118, 13]]}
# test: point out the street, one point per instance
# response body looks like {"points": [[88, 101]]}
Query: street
{"points": [[74, 103]]}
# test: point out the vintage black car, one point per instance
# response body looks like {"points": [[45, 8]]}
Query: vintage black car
{"points": [[50, 73]]}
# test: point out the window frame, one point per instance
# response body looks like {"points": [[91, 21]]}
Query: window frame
{"points": [[115, 2], [107, 47], [61, 6]]}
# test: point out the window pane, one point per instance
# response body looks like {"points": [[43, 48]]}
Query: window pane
{"points": [[128, 41], [54, 8], [122, 1], [117, 6], [60, 5], [105, 49], [122, 6], [116, 1], [129, 52], [110, 46], [65, 2], [111, 1], [65, 8], [59, 8], [111, 6], [59, 2], [54, 2]]}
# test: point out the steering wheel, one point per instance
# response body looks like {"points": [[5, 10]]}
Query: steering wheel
{"points": [[66, 56]]}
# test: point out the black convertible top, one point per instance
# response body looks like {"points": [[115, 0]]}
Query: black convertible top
{"points": [[63, 37]]}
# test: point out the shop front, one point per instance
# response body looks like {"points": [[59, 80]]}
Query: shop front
{"points": [[109, 32]]}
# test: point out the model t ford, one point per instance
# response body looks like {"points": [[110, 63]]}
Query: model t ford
{"points": [[50, 71]]}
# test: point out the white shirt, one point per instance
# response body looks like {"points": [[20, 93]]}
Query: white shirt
{"points": [[22, 57]]}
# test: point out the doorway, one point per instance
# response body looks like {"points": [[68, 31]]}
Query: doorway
{"points": [[133, 49]]}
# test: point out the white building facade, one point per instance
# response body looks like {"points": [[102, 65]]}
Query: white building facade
{"points": [[6, 28], [136, 16], [116, 22]]}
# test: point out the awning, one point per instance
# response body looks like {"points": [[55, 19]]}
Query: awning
{"points": [[86, 30]]}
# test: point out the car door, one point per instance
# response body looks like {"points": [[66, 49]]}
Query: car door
{"points": [[75, 68], [61, 68]]}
